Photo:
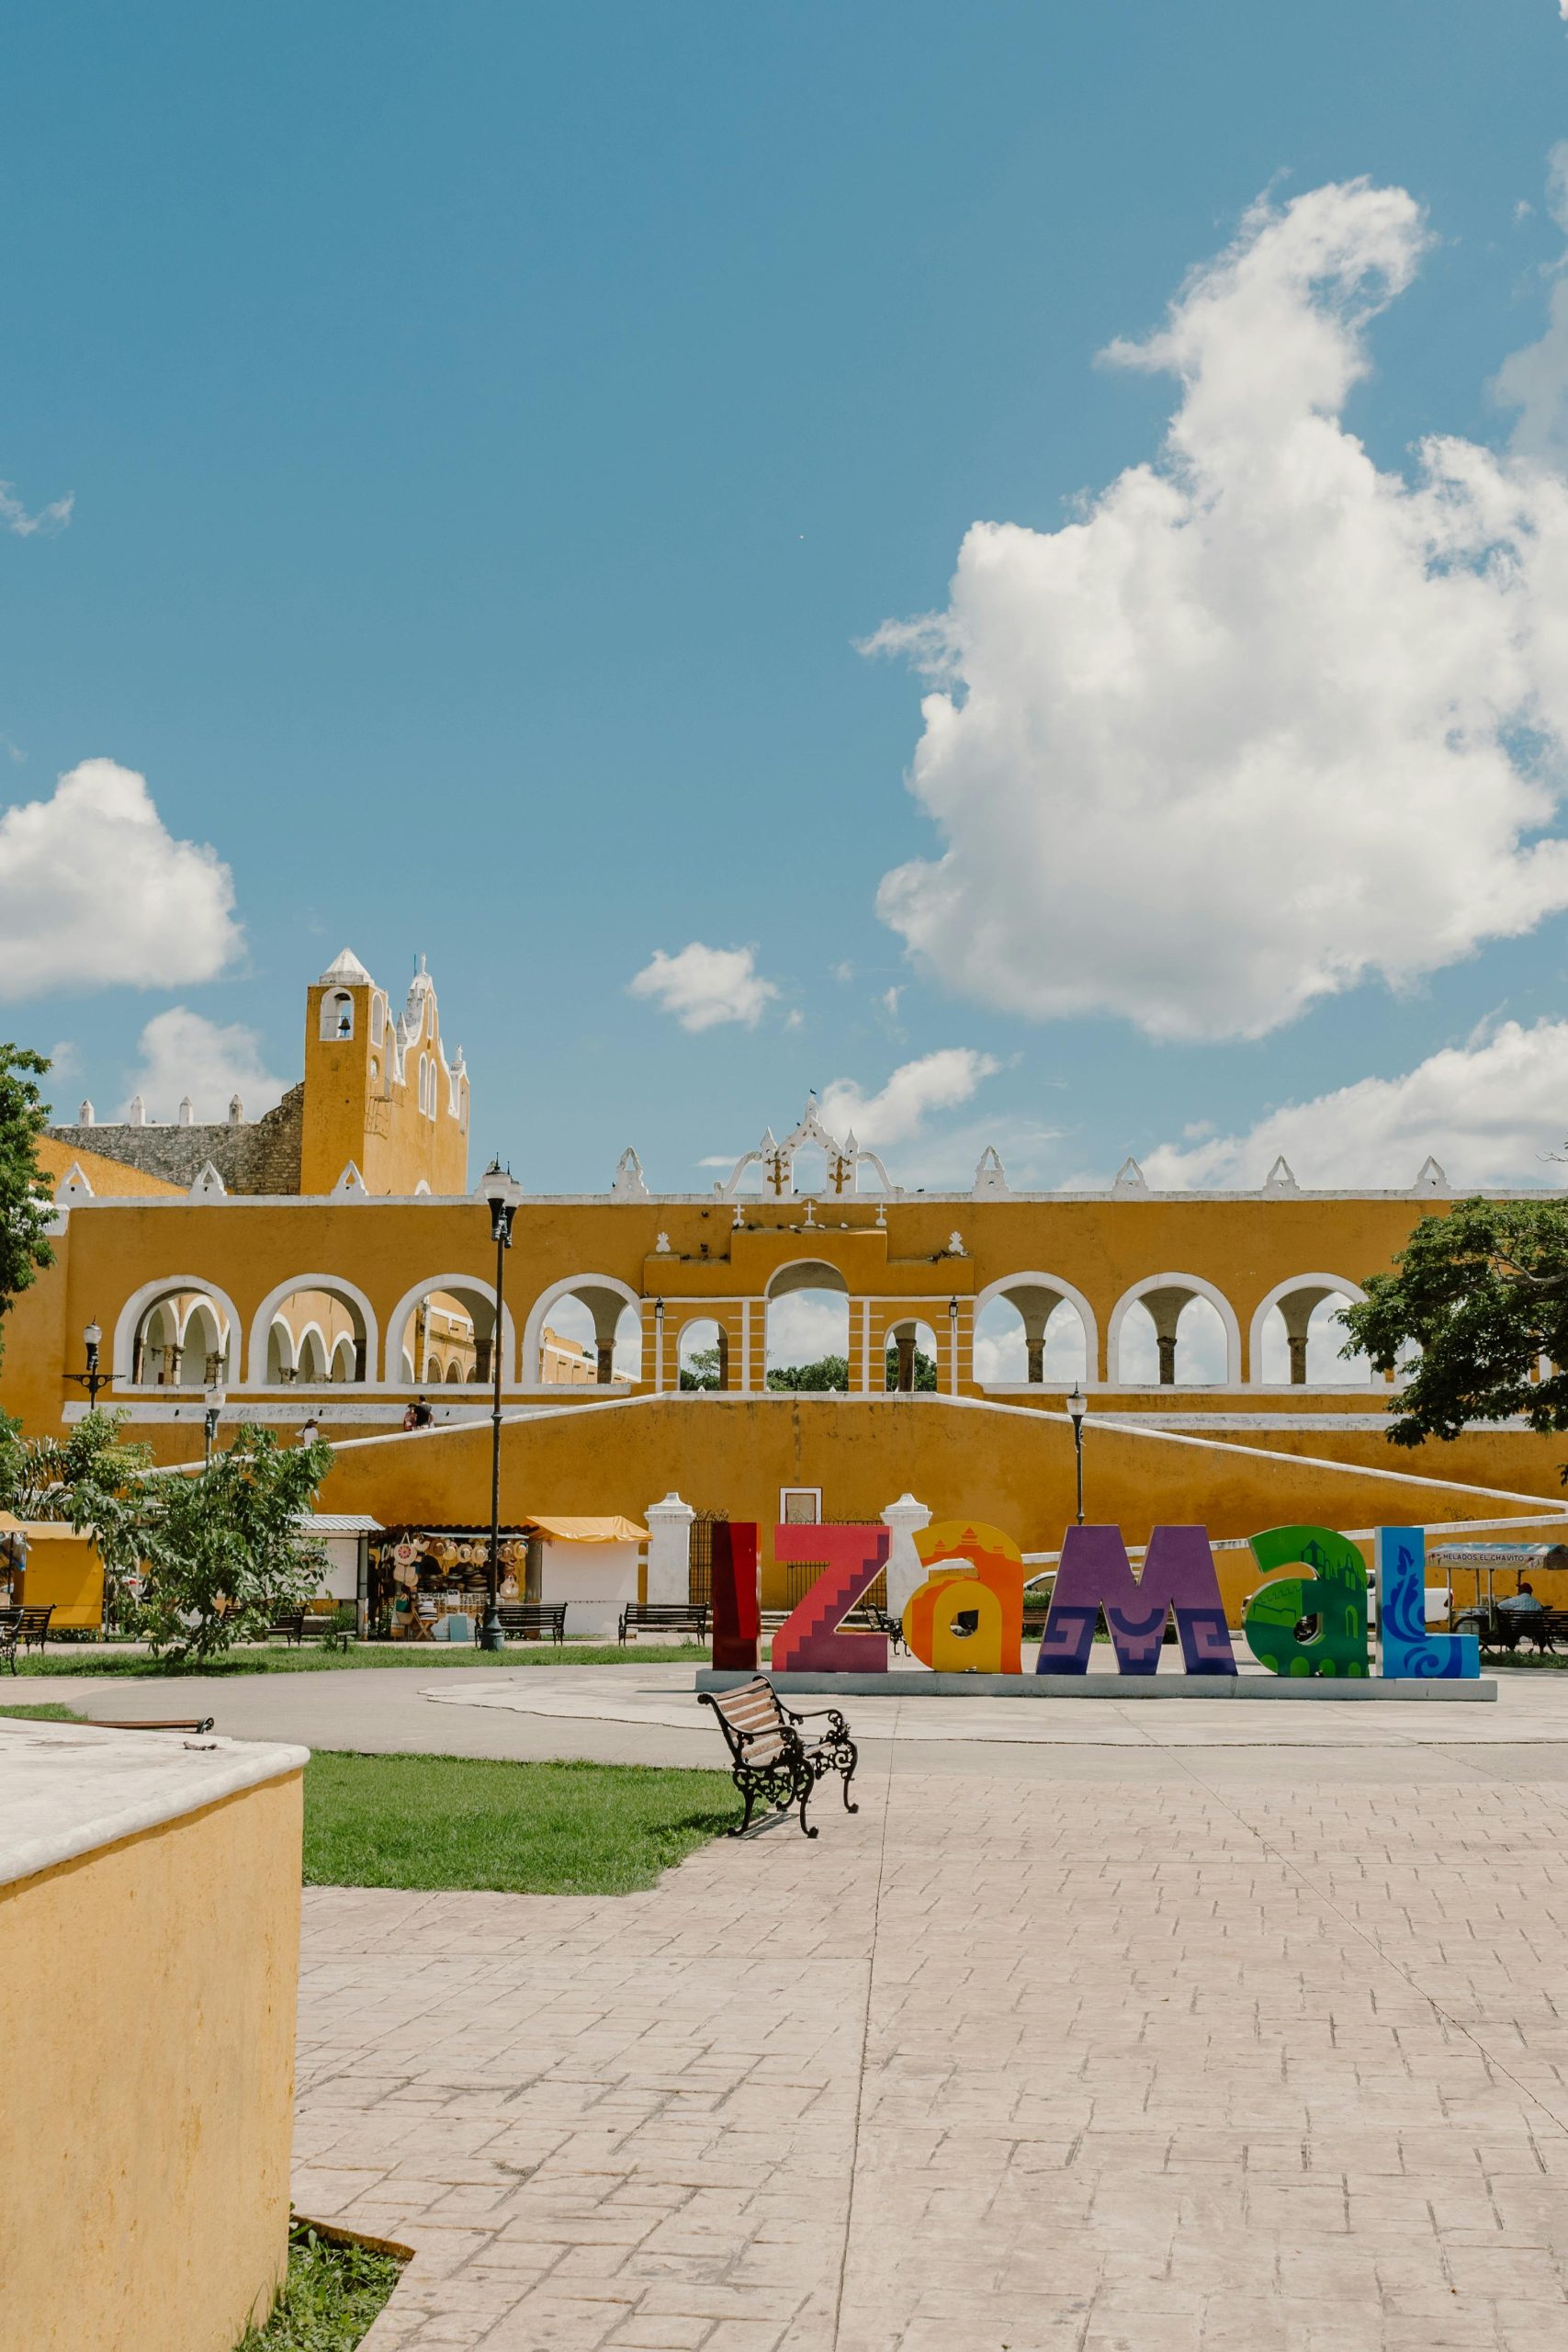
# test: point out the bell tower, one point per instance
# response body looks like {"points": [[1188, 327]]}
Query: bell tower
{"points": [[378, 1090]]}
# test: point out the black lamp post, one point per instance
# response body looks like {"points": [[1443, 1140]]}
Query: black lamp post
{"points": [[502, 1194], [91, 1380], [952, 1342], [1077, 1405]]}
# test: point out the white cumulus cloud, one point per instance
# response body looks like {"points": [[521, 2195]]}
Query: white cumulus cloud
{"points": [[95, 891], [183, 1053], [705, 986], [938, 1081], [1487, 1111], [1263, 721], [13, 516]]}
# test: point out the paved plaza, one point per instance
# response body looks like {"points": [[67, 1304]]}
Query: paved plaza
{"points": [[1136, 2037]]}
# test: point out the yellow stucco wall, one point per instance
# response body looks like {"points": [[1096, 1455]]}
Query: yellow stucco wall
{"points": [[895, 1262], [149, 2082], [1013, 1468], [65, 1573]]}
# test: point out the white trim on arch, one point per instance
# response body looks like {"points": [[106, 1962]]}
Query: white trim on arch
{"points": [[123, 1356], [1064, 1289], [1339, 1284], [397, 1321], [266, 1313], [533, 1329], [1200, 1289]]}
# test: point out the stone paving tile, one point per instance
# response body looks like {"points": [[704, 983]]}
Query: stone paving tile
{"points": [[995, 2065]]}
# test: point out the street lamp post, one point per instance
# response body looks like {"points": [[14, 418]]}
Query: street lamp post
{"points": [[215, 1403], [1077, 1405], [502, 1194], [91, 1380]]}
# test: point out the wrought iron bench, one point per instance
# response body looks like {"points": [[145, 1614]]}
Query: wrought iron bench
{"points": [[771, 1760], [666, 1616], [534, 1617], [10, 1636], [892, 1626]]}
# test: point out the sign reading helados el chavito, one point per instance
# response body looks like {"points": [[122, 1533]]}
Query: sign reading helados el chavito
{"points": [[1309, 1617]]}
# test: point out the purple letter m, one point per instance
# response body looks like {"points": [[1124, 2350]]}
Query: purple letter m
{"points": [[1095, 1574]]}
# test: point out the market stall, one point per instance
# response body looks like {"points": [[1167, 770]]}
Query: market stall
{"points": [[431, 1584], [593, 1565]]}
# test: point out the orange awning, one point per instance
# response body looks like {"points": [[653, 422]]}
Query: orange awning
{"points": [[612, 1530]]}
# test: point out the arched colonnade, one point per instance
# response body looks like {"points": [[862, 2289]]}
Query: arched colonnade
{"points": [[1027, 1329]]}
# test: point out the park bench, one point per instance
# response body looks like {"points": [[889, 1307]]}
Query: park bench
{"points": [[667, 1616], [1509, 1627], [534, 1617], [303, 1626], [773, 1761], [24, 1629], [882, 1622]]}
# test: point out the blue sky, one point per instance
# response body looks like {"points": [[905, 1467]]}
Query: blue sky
{"points": [[492, 434]]}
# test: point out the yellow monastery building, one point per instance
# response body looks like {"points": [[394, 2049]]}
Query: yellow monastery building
{"points": [[329, 1261]]}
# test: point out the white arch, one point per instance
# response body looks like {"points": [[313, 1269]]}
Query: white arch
{"points": [[262, 1322], [149, 1294], [538, 1315], [397, 1324], [1200, 1289], [285, 1347], [840, 1279], [1064, 1289], [313, 1331], [1337, 1283]]}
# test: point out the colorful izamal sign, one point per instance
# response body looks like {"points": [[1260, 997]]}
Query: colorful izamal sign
{"points": [[1308, 1617]]}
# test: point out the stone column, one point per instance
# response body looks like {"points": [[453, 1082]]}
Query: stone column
{"points": [[669, 1549], [905, 1571]]}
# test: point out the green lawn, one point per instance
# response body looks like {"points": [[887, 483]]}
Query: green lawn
{"points": [[330, 2299], [262, 1657], [46, 1711], [451, 1821]]}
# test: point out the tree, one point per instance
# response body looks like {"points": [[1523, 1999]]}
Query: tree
{"points": [[92, 1478], [701, 1370], [1482, 1293], [223, 1548], [925, 1369], [828, 1372], [26, 1207]]}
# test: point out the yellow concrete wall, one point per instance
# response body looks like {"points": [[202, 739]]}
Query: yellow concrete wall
{"points": [[1011, 1467], [861, 1452], [149, 2084], [63, 1573]]}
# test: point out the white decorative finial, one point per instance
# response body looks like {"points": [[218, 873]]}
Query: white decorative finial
{"points": [[1431, 1178], [85, 1115], [1129, 1177], [137, 1115], [990, 1176], [236, 1112], [186, 1112], [1281, 1177], [630, 1182]]}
